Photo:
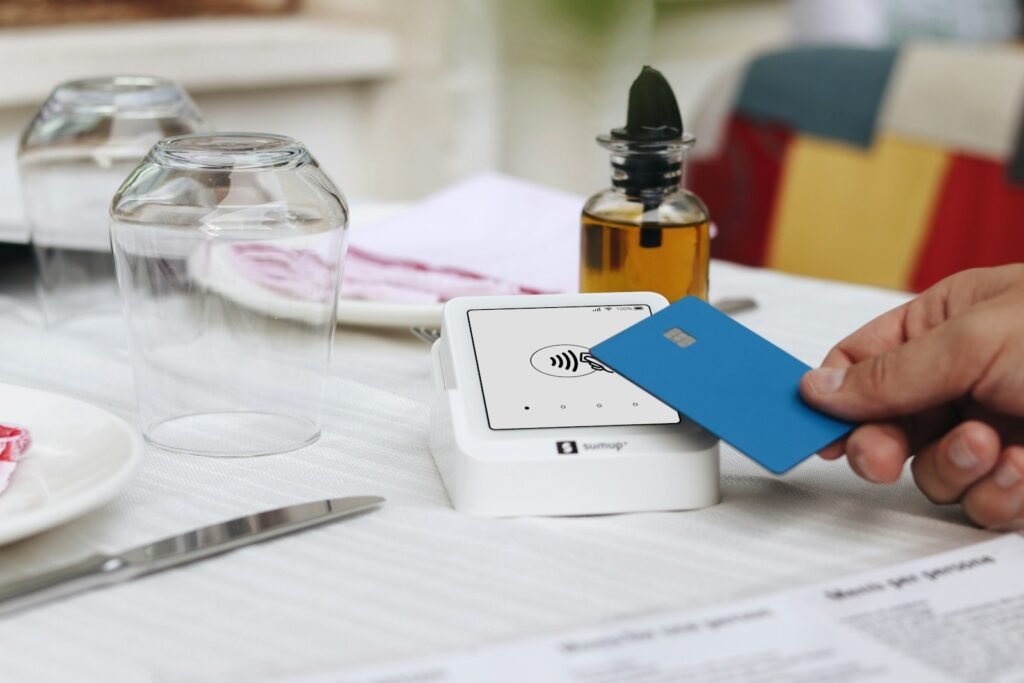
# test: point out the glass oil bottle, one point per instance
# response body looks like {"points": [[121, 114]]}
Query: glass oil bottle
{"points": [[647, 233]]}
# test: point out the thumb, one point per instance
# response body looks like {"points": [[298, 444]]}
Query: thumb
{"points": [[935, 368]]}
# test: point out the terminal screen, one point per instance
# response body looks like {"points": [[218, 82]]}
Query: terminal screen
{"points": [[536, 370]]}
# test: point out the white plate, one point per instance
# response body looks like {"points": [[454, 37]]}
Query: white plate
{"points": [[81, 456], [384, 314], [353, 312], [219, 276]]}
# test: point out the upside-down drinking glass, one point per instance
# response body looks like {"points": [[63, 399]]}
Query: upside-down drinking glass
{"points": [[87, 136], [229, 251]]}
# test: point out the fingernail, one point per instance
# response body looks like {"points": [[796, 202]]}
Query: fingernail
{"points": [[961, 455], [827, 380], [1007, 476], [1015, 525], [862, 466]]}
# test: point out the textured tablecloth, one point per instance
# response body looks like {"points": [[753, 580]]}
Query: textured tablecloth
{"points": [[416, 577]]}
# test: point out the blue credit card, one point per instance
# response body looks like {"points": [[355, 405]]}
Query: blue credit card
{"points": [[734, 383]]}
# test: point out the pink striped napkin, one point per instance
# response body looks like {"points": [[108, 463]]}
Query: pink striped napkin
{"points": [[491, 234]]}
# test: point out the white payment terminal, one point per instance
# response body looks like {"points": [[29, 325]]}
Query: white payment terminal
{"points": [[526, 422]]}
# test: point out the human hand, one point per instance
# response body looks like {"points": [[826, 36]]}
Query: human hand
{"points": [[940, 378]]}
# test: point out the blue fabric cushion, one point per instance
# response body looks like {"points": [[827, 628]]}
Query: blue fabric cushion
{"points": [[829, 92]]}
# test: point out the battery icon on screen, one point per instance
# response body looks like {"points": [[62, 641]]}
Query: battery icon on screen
{"points": [[638, 308]]}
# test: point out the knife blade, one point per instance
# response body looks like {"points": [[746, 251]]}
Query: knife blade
{"points": [[98, 571]]}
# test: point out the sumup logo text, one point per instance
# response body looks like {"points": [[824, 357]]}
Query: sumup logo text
{"points": [[603, 445]]}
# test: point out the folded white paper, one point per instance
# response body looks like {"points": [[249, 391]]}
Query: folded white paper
{"points": [[492, 225]]}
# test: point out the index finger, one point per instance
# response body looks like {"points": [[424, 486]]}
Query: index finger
{"points": [[924, 312], [881, 335]]}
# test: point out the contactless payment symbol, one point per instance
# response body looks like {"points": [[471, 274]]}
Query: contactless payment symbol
{"points": [[566, 360]]}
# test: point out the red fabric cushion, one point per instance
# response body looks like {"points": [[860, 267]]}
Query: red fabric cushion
{"points": [[978, 221], [739, 185]]}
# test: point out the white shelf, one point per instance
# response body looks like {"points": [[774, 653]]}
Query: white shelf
{"points": [[202, 54]]}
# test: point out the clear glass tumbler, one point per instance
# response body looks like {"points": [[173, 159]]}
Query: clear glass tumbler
{"points": [[87, 136], [229, 251]]}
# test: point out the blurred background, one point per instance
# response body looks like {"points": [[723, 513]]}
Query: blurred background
{"points": [[399, 98]]}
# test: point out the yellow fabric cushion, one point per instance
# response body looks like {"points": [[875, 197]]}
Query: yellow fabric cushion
{"points": [[849, 213]]}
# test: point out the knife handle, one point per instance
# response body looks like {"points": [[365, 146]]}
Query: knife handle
{"points": [[92, 572], [734, 306]]}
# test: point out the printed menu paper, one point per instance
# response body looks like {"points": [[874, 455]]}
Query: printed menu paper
{"points": [[957, 616]]}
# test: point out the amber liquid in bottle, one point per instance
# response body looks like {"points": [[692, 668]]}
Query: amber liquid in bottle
{"points": [[614, 260], [664, 248]]}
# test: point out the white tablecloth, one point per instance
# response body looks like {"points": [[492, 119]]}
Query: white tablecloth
{"points": [[416, 577]]}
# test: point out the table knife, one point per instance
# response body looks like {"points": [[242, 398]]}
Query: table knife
{"points": [[98, 571]]}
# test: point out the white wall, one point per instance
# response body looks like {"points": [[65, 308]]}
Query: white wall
{"points": [[521, 86], [566, 74], [398, 98]]}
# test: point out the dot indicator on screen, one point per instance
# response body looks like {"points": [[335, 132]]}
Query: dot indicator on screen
{"points": [[562, 406], [635, 404], [599, 405], [526, 407]]}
